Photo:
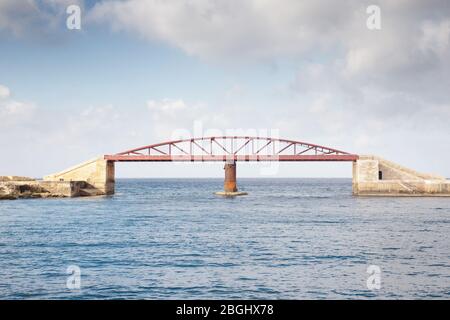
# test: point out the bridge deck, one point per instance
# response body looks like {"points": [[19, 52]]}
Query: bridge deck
{"points": [[192, 158]]}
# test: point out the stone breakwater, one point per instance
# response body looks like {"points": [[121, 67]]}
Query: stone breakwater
{"points": [[13, 187]]}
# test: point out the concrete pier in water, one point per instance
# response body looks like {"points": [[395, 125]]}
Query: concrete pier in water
{"points": [[229, 185]]}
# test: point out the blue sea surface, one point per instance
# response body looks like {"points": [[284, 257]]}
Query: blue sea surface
{"points": [[175, 239]]}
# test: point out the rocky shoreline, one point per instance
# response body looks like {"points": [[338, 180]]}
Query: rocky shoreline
{"points": [[14, 187]]}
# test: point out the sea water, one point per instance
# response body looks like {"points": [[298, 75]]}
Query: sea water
{"points": [[175, 239]]}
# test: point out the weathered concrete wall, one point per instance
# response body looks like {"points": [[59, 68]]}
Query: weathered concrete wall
{"points": [[365, 170], [379, 177], [97, 173], [406, 188], [63, 188]]}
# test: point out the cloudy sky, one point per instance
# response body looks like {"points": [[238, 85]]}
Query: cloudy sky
{"points": [[139, 70]]}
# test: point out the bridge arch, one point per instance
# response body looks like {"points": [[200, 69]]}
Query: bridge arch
{"points": [[233, 148]]}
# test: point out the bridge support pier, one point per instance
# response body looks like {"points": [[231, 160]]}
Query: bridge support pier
{"points": [[229, 184]]}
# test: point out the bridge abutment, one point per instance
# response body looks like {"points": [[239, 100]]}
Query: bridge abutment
{"points": [[375, 176], [97, 174]]}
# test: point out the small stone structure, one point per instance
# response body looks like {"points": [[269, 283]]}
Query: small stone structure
{"points": [[375, 176]]}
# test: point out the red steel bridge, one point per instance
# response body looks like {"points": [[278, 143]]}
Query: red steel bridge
{"points": [[232, 149], [99, 173]]}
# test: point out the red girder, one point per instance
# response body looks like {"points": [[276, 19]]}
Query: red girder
{"points": [[272, 149]]}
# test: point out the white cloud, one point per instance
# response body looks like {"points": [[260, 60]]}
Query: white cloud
{"points": [[435, 37], [171, 117], [221, 28], [13, 112], [166, 105], [4, 92]]}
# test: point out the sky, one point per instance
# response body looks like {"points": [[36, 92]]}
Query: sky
{"points": [[139, 71]]}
